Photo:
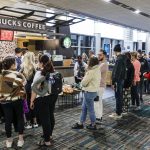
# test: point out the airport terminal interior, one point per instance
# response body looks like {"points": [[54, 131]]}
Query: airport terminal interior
{"points": [[75, 74]]}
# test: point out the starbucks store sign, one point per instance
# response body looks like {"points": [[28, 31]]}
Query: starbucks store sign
{"points": [[21, 25], [67, 42]]}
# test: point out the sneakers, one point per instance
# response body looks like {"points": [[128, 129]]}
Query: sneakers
{"points": [[115, 116], [98, 120], [35, 125], [91, 127], [132, 106], [138, 108], [28, 125], [9, 144], [125, 113], [20, 143], [77, 126]]}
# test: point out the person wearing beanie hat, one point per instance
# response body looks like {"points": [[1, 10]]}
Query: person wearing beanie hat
{"points": [[117, 48], [118, 78]]}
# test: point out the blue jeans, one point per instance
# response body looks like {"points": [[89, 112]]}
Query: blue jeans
{"points": [[119, 96], [88, 105]]}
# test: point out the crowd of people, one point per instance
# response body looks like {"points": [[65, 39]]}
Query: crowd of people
{"points": [[28, 92], [128, 80], [26, 95], [128, 83]]}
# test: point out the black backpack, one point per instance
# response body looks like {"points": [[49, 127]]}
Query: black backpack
{"points": [[57, 83], [81, 70]]}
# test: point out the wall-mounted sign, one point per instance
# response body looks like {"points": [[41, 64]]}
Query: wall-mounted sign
{"points": [[66, 43], [6, 35], [21, 25]]}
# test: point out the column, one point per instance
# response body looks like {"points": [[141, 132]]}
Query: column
{"points": [[79, 45], [139, 44], [147, 43], [97, 43], [128, 39]]}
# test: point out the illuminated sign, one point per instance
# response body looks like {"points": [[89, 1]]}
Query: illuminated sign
{"points": [[21, 25], [67, 42]]}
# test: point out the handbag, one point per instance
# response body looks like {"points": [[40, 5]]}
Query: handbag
{"points": [[25, 106], [96, 99], [147, 75]]}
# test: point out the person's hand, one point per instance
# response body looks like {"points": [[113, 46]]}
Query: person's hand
{"points": [[31, 105]]}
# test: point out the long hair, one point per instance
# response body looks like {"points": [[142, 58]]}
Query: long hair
{"points": [[28, 65], [84, 56], [134, 54], [47, 66], [93, 62]]}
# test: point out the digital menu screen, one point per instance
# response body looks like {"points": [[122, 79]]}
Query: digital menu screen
{"points": [[6, 35]]}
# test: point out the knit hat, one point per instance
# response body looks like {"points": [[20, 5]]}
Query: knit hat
{"points": [[117, 48]]}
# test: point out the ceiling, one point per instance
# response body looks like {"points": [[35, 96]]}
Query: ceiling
{"points": [[106, 11], [99, 9]]}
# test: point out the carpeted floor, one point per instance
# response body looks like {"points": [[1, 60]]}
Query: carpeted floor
{"points": [[132, 132]]}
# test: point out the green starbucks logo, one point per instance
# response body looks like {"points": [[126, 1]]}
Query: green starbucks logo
{"points": [[67, 42]]}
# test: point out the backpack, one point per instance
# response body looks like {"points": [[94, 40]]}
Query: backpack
{"points": [[56, 83], [81, 70], [52, 86]]}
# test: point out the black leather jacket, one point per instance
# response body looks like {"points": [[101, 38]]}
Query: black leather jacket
{"points": [[119, 70]]}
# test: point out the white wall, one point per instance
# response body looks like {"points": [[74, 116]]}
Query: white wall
{"points": [[109, 30], [86, 27], [139, 36], [89, 27]]}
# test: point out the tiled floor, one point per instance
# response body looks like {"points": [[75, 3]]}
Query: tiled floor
{"points": [[108, 93], [132, 132]]}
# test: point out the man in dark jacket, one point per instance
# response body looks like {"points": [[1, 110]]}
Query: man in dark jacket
{"points": [[118, 78], [144, 69], [18, 54]]}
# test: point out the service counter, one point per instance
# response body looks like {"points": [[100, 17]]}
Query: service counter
{"points": [[66, 71]]}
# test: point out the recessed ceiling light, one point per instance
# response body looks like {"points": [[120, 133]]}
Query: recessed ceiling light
{"points": [[107, 0], [137, 11], [28, 3]]}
